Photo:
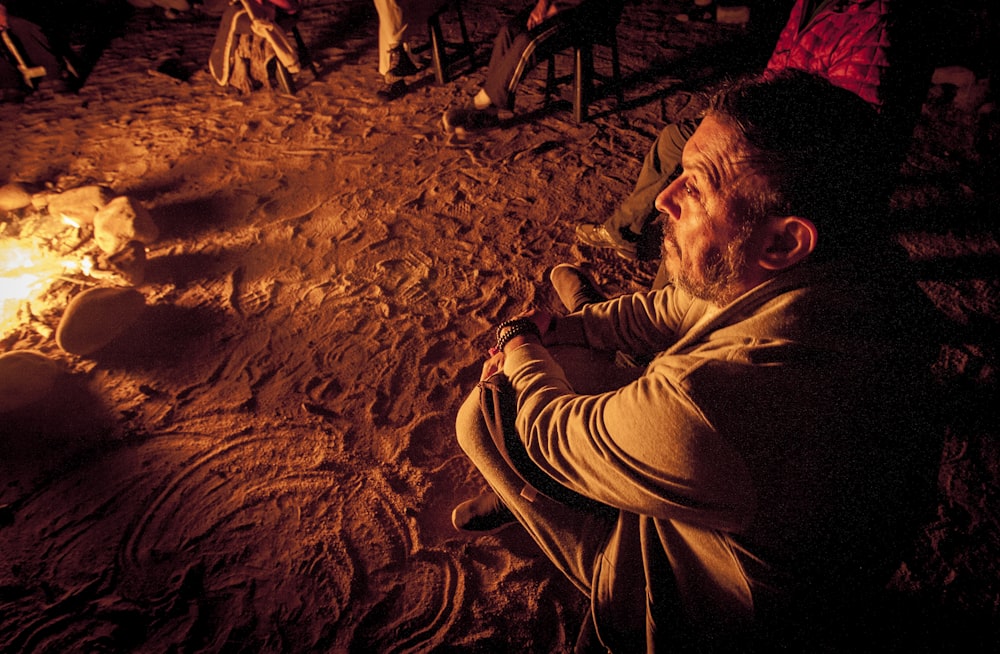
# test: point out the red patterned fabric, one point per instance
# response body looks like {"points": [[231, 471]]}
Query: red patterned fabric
{"points": [[846, 42]]}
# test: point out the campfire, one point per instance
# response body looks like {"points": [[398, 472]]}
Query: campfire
{"points": [[58, 247], [32, 257]]}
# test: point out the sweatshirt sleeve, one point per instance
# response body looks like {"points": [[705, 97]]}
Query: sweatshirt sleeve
{"points": [[644, 448], [640, 324]]}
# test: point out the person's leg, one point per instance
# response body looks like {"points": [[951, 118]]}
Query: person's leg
{"points": [[391, 31], [492, 95], [522, 54], [574, 287], [582, 22], [571, 537], [509, 43], [220, 60], [516, 51], [396, 19]]}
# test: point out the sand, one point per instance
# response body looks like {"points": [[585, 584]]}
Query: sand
{"points": [[265, 461]]}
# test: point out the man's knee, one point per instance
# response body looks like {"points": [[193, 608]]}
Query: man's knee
{"points": [[503, 39], [469, 426], [670, 143]]}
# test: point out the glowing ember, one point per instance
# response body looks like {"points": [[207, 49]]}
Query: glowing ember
{"points": [[25, 274]]}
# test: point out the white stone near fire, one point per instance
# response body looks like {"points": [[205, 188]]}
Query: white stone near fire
{"points": [[122, 221], [79, 204], [96, 317], [14, 196]]}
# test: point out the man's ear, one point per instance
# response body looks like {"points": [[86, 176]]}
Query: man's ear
{"points": [[788, 241]]}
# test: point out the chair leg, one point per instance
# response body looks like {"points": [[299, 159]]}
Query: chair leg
{"points": [[582, 80], [284, 78], [467, 46], [616, 72], [438, 54], [304, 54], [550, 79], [439, 46]]}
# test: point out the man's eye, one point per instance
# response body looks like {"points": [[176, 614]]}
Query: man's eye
{"points": [[689, 189]]}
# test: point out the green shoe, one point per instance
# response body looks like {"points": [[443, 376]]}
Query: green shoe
{"points": [[598, 236]]}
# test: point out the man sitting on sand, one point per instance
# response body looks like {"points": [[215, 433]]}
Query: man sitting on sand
{"points": [[745, 490], [859, 45]]}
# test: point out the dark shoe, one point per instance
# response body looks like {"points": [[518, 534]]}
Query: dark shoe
{"points": [[460, 121], [598, 236], [574, 287], [400, 64], [392, 91], [482, 513]]}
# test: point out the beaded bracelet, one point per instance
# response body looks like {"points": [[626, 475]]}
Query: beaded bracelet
{"points": [[505, 324], [507, 330]]}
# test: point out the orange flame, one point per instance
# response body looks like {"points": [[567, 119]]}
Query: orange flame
{"points": [[25, 274]]}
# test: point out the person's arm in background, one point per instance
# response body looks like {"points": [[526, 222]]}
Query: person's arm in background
{"points": [[546, 9], [288, 6]]}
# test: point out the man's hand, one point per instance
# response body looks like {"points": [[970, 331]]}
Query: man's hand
{"points": [[493, 365], [544, 10], [512, 334]]}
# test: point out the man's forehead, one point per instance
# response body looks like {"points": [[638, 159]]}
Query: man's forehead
{"points": [[714, 150]]}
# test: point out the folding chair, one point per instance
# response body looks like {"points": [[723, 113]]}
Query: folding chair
{"points": [[445, 53], [29, 73], [244, 18], [584, 73]]}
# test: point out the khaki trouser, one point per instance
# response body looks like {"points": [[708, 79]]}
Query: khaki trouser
{"points": [[574, 536], [395, 18], [661, 165]]}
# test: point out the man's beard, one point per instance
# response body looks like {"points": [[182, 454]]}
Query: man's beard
{"points": [[720, 269]]}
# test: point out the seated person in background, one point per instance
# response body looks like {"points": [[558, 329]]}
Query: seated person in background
{"points": [[849, 42], [750, 489], [27, 59], [249, 36], [395, 19], [527, 39]]}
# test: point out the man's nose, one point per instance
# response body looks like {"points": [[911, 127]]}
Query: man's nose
{"points": [[665, 203]]}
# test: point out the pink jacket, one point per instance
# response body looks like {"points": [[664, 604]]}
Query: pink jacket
{"points": [[846, 43]]}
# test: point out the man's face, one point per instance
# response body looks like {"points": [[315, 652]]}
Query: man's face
{"points": [[705, 242]]}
